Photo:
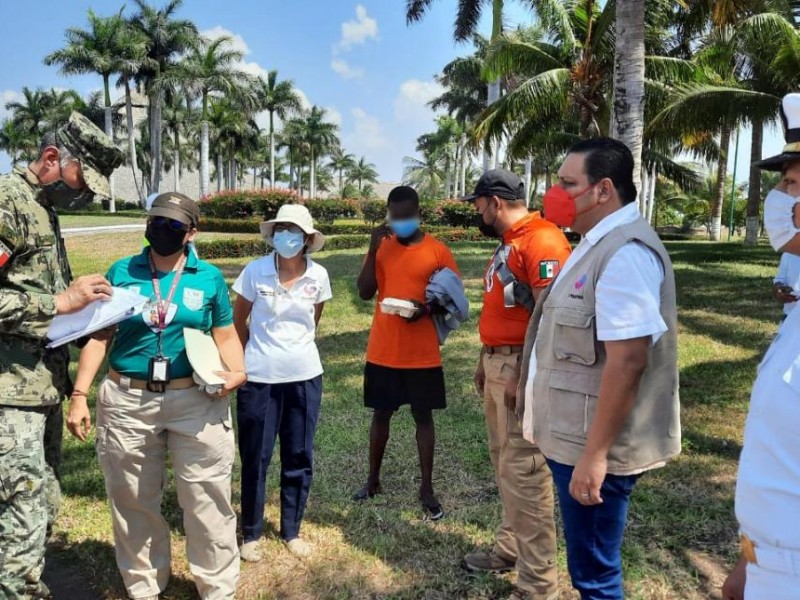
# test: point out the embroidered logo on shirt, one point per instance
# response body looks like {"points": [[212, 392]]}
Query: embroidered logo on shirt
{"points": [[489, 278], [310, 290], [580, 283], [548, 269], [192, 299]]}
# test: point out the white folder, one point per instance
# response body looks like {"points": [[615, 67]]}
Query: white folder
{"points": [[124, 303], [204, 356]]}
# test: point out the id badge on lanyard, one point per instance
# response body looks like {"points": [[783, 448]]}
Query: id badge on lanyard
{"points": [[158, 371]]}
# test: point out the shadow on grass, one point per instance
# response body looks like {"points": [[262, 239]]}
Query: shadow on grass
{"points": [[718, 382], [72, 571]]}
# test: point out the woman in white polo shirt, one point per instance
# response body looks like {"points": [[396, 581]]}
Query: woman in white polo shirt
{"points": [[282, 294]]}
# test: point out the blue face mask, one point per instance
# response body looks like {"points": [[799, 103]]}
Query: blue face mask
{"points": [[404, 228], [288, 244]]}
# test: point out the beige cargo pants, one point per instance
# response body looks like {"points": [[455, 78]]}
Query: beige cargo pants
{"points": [[135, 430], [527, 534]]}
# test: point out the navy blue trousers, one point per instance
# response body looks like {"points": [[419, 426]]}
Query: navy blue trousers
{"points": [[265, 412]]}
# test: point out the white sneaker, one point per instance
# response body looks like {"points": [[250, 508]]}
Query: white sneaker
{"points": [[299, 547], [251, 551]]}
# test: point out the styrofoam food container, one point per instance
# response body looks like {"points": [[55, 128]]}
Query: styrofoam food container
{"points": [[396, 306]]}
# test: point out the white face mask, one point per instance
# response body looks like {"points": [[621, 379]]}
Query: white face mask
{"points": [[288, 244], [779, 219]]}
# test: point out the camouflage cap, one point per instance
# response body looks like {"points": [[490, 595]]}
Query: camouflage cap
{"points": [[97, 153]]}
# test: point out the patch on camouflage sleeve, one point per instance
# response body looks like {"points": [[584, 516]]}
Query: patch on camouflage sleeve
{"points": [[5, 254]]}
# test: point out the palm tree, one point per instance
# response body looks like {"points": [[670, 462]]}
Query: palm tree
{"points": [[277, 98], [363, 172], [179, 119], [627, 119], [467, 19], [210, 67], [340, 161], [14, 141], [30, 113], [321, 137], [167, 38], [292, 137], [426, 175], [95, 50]]}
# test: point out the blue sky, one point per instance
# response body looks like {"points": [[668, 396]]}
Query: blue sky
{"points": [[358, 59]]}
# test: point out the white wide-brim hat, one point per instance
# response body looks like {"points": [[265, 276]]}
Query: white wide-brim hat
{"points": [[296, 214]]}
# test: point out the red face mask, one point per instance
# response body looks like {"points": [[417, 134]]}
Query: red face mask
{"points": [[559, 207]]}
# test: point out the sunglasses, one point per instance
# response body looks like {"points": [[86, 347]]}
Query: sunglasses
{"points": [[173, 224]]}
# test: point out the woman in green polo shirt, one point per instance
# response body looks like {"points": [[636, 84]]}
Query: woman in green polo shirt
{"points": [[149, 405]]}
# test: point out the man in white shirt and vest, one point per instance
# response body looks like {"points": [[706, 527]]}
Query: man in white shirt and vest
{"points": [[599, 387], [768, 484]]}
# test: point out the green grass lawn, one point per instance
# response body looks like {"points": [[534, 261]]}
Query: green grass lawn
{"points": [[681, 536], [68, 221]]}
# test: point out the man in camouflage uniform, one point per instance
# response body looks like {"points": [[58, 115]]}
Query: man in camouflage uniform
{"points": [[36, 285]]}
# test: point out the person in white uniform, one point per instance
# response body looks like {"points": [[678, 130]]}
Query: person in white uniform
{"points": [[768, 483], [282, 295]]}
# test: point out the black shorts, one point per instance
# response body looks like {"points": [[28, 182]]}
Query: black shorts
{"points": [[387, 388]]}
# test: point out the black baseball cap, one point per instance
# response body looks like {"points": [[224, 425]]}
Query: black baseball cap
{"points": [[174, 205], [498, 182]]}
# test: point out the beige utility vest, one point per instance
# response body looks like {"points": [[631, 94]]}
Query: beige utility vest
{"points": [[570, 362]]}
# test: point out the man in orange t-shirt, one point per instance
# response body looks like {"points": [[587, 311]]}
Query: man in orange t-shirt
{"points": [[529, 256], [404, 365]]}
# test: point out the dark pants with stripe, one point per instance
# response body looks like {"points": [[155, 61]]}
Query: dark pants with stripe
{"points": [[265, 412]]}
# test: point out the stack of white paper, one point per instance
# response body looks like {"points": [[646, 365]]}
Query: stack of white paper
{"points": [[98, 315]]}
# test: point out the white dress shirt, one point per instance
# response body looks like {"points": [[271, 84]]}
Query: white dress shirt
{"points": [[627, 297]]}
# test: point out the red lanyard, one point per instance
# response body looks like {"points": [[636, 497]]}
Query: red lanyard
{"points": [[161, 306]]}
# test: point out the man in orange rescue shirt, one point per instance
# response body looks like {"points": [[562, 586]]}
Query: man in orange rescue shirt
{"points": [[529, 256], [404, 365]]}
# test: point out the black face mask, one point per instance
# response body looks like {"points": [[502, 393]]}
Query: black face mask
{"points": [[485, 228], [60, 195], [164, 241]]}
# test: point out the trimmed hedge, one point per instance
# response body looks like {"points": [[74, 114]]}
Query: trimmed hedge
{"points": [[103, 213], [256, 247], [251, 225], [264, 203], [328, 210]]}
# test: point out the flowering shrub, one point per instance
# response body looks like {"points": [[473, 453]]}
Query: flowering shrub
{"points": [[328, 210], [456, 213], [238, 204]]}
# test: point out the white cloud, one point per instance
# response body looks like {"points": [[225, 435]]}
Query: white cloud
{"points": [[333, 116], [367, 135], [345, 70], [237, 41], [411, 102], [5, 97], [357, 32]]}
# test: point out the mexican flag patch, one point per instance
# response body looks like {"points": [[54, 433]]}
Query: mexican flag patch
{"points": [[5, 254], [548, 269]]}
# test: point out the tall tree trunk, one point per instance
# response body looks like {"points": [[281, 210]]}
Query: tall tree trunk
{"points": [[489, 156], [548, 178], [528, 173], [271, 151], [464, 163], [177, 169], [312, 192], [719, 191], [109, 126], [447, 178], [627, 121], [155, 140], [641, 196], [220, 174], [651, 195], [754, 186], [131, 137]]}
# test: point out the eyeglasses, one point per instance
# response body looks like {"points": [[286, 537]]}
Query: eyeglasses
{"points": [[173, 224], [288, 227]]}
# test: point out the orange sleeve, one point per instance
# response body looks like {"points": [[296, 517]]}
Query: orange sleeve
{"points": [[545, 252]]}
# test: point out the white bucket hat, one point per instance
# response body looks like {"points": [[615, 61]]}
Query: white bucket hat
{"points": [[296, 214]]}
